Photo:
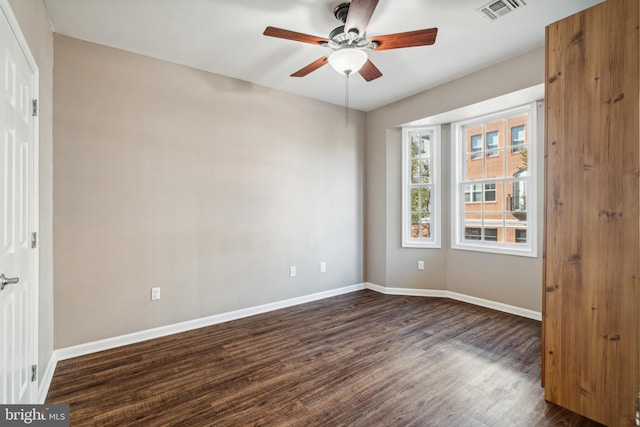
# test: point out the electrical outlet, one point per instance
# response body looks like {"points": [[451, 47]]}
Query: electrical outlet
{"points": [[155, 294], [420, 265], [292, 271], [323, 267]]}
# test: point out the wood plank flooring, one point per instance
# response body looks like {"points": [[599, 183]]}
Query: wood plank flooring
{"points": [[361, 359]]}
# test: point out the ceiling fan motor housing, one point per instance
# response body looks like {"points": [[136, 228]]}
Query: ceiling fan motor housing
{"points": [[338, 35], [341, 11]]}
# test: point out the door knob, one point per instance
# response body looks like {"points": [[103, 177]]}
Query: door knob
{"points": [[4, 281]]}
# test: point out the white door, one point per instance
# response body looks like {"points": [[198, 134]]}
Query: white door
{"points": [[17, 218]]}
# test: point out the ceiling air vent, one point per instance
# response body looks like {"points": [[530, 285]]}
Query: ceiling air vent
{"points": [[498, 8]]}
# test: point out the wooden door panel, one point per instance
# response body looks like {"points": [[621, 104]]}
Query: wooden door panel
{"points": [[592, 255]]}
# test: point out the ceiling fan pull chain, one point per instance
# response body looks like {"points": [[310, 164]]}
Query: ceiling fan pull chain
{"points": [[346, 99]]}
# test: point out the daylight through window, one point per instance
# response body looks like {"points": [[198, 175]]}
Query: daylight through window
{"points": [[421, 187], [494, 184]]}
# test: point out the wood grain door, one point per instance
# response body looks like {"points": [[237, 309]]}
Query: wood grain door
{"points": [[591, 319]]}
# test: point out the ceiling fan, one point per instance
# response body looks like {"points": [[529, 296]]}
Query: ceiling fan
{"points": [[350, 44]]}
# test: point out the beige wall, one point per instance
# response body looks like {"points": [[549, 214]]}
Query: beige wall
{"points": [[34, 23], [507, 279], [205, 186]]}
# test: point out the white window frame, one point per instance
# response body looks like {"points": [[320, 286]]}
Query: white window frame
{"points": [[528, 249], [435, 177]]}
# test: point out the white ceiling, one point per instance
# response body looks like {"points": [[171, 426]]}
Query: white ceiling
{"points": [[225, 37]]}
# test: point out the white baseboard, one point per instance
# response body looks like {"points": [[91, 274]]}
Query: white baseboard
{"points": [[506, 308], [135, 337], [407, 291], [511, 309], [46, 378]]}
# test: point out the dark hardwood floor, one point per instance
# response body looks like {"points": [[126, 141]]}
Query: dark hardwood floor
{"points": [[361, 359]]}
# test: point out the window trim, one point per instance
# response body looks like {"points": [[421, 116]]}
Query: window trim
{"points": [[458, 147], [436, 196]]}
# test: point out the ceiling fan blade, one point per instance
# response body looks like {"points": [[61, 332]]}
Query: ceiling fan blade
{"points": [[311, 67], [292, 35], [359, 15], [369, 71], [408, 39]]}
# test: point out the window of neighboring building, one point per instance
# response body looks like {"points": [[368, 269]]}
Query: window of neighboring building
{"points": [[491, 234], [476, 146], [489, 192], [477, 233], [472, 233], [492, 144], [494, 195], [473, 193], [517, 138], [421, 187]]}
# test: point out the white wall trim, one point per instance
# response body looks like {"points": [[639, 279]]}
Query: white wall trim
{"points": [[511, 309], [46, 378], [135, 337], [407, 291], [506, 308]]}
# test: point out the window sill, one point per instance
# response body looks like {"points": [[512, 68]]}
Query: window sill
{"points": [[421, 245], [525, 251]]}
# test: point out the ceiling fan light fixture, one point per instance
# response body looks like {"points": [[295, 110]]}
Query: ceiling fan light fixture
{"points": [[347, 60]]}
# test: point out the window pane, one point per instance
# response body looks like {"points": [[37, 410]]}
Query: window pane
{"points": [[473, 193], [420, 202], [498, 205], [472, 233], [473, 219], [476, 194], [420, 171], [425, 171], [416, 147], [421, 213], [492, 186], [495, 219], [516, 199], [474, 168], [420, 186], [415, 171], [492, 143], [491, 234], [518, 139], [420, 157], [494, 165], [425, 230], [415, 224], [420, 145], [516, 218], [489, 192], [420, 230], [476, 146], [518, 162]]}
